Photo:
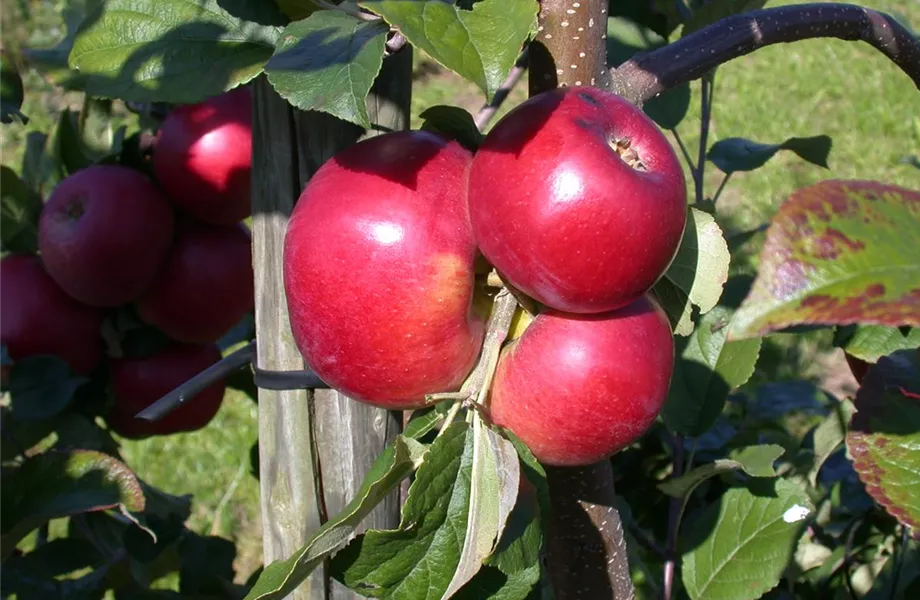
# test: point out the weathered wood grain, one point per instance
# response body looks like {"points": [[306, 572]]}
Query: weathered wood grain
{"points": [[290, 497], [314, 447]]}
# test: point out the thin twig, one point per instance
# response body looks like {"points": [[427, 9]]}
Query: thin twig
{"points": [[488, 111], [847, 557], [705, 118], [675, 508], [721, 187], [646, 539], [503, 307], [683, 149], [646, 75], [228, 494], [688, 465]]}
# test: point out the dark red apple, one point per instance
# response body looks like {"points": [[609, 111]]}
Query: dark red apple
{"points": [[38, 318], [578, 199], [203, 157], [104, 234], [578, 388], [206, 285], [139, 382], [378, 270]]}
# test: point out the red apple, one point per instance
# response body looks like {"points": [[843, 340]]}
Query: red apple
{"points": [[203, 157], [38, 318], [578, 388], [139, 382], [206, 285], [104, 234], [378, 270], [578, 199]]}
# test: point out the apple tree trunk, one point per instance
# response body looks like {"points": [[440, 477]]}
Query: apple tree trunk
{"points": [[586, 546], [314, 446]]}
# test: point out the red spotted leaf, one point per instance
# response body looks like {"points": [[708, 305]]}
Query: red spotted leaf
{"points": [[836, 253], [884, 435]]}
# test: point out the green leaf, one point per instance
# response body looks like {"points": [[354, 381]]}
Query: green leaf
{"points": [[85, 138], [481, 44], [418, 559], [41, 387], [454, 123], [829, 435], [697, 273], [11, 91], [625, 38], [514, 568], [707, 370], [97, 137], [871, 342], [394, 464], [297, 9], [493, 584], [738, 154], [756, 461], [494, 481], [836, 253], [54, 558], [740, 546], [20, 208], [715, 10], [59, 484], [884, 435], [174, 50], [328, 62]]}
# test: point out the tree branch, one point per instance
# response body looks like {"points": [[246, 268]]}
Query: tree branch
{"points": [[586, 545], [646, 75]]}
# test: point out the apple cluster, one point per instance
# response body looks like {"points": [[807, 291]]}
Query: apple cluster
{"points": [[575, 198], [172, 252]]}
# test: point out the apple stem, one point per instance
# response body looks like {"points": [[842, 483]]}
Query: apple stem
{"points": [[445, 396], [449, 418], [503, 307], [693, 56], [476, 387], [683, 148]]}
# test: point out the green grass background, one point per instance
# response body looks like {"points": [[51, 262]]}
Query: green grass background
{"points": [[845, 90]]}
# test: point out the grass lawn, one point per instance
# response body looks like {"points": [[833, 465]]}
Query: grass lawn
{"points": [[843, 89]]}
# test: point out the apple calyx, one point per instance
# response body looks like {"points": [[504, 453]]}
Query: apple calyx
{"points": [[623, 147]]}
